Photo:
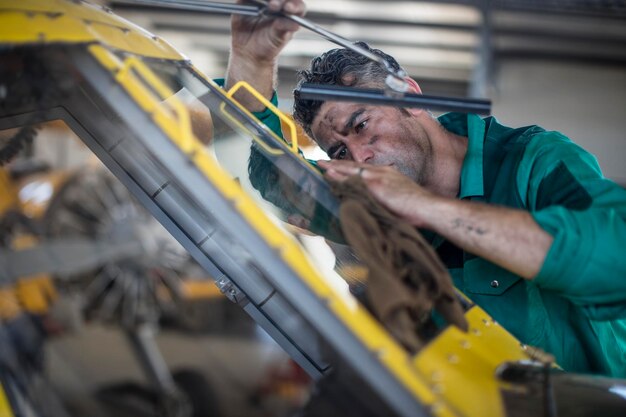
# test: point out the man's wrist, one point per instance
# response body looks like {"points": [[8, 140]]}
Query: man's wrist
{"points": [[252, 59], [431, 211]]}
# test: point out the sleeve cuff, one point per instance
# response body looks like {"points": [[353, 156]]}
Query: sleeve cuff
{"points": [[568, 255]]}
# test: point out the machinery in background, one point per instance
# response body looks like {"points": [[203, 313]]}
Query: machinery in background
{"points": [[50, 212]]}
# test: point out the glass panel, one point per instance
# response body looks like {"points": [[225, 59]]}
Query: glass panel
{"points": [[286, 186]]}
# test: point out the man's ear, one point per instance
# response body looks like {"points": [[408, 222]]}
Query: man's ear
{"points": [[414, 88], [413, 85]]}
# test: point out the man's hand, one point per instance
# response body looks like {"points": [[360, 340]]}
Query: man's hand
{"points": [[507, 237], [255, 45], [395, 191], [260, 39]]}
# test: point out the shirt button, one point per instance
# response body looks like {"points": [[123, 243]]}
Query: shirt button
{"points": [[495, 284]]}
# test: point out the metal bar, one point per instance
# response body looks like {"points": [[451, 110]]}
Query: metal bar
{"points": [[199, 6], [481, 74], [308, 91], [397, 83], [144, 346]]}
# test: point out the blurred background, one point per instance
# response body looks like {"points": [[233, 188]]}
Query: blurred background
{"points": [[557, 63]]}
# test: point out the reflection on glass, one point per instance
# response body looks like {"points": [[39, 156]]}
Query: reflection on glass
{"points": [[285, 185]]}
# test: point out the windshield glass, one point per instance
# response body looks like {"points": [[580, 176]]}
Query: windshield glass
{"points": [[289, 188], [406, 280]]}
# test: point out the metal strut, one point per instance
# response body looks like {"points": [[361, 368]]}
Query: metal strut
{"points": [[395, 79], [396, 93], [308, 91]]}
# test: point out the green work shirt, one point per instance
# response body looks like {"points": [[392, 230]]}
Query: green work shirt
{"points": [[575, 308]]}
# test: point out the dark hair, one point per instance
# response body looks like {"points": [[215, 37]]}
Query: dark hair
{"points": [[339, 67]]}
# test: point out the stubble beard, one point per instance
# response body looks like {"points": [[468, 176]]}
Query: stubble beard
{"points": [[419, 169]]}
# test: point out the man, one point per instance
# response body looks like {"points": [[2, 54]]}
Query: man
{"points": [[524, 220]]}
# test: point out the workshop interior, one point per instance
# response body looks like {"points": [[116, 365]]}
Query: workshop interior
{"points": [[144, 271]]}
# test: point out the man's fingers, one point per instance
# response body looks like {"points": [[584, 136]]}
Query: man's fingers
{"points": [[346, 167], [286, 25], [340, 170], [295, 7], [336, 176], [275, 5], [292, 7]]}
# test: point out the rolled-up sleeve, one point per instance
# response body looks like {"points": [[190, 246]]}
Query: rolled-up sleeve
{"points": [[586, 215]]}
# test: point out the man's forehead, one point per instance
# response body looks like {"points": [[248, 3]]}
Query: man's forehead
{"points": [[331, 119]]}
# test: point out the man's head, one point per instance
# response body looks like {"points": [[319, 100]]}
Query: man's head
{"points": [[363, 133], [340, 67]]}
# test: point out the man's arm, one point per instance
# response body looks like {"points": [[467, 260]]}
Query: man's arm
{"points": [[507, 237], [255, 45], [585, 213], [570, 241]]}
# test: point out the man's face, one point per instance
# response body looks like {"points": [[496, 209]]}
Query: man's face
{"points": [[374, 135]]}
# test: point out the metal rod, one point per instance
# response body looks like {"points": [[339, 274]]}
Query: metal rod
{"points": [[200, 6], [398, 85], [308, 91]]}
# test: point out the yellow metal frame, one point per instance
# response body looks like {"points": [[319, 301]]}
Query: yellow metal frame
{"points": [[9, 304], [9, 198], [292, 127], [261, 143], [195, 290], [36, 294], [69, 22], [461, 367], [5, 406], [33, 294]]}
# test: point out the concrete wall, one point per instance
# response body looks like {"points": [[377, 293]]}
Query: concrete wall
{"points": [[585, 102]]}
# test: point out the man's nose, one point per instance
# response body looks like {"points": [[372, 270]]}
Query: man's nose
{"points": [[362, 153]]}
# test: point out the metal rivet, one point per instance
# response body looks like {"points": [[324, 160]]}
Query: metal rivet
{"points": [[495, 284]]}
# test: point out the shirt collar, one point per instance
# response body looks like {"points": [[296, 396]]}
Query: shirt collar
{"points": [[473, 127]]}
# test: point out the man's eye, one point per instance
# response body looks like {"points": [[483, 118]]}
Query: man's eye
{"points": [[360, 126], [340, 153]]}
